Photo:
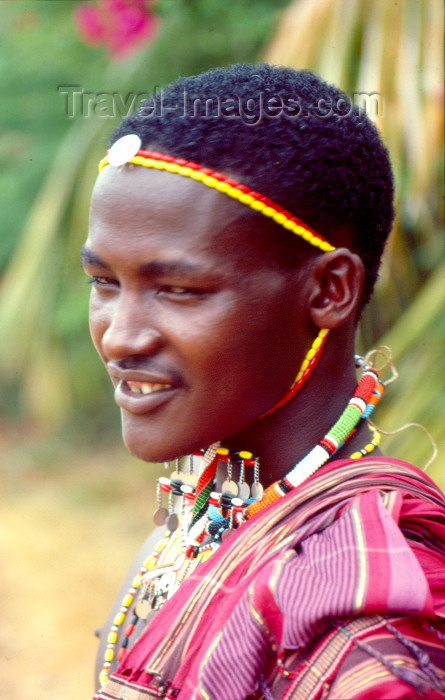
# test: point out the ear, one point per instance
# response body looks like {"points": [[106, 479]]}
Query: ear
{"points": [[337, 279]]}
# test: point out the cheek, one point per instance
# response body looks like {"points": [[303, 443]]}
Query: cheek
{"points": [[99, 321], [248, 350]]}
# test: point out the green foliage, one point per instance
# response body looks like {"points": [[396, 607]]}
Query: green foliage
{"points": [[38, 51], [417, 397]]}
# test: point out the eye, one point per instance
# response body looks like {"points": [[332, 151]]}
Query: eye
{"points": [[178, 292], [99, 281]]}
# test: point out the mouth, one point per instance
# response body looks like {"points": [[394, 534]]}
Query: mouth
{"points": [[139, 397], [139, 391]]}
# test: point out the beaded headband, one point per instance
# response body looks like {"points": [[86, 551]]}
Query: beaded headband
{"points": [[128, 149]]}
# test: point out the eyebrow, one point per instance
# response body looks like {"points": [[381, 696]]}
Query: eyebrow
{"points": [[88, 257], [150, 269]]}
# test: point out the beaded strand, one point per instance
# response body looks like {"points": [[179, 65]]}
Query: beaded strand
{"points": [[306, 368], [331, 442], [119, 618], [130, 598], [370, 445], [211, 178]]}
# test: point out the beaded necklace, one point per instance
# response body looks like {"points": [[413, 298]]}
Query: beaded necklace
{"points": [[212, 516]]}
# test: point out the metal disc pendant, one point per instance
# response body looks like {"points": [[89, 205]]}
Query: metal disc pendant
{"points": [[230, 487], [243, 490], [257, 492], [143, 608], [226, 534], [160, 516], [172, 522], [124, 149]]}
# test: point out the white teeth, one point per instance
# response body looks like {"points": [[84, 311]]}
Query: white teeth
{"points": [[146, 388]]}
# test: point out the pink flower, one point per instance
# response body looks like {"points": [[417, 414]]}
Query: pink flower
{"points": [[120, 25], [89, 23]]}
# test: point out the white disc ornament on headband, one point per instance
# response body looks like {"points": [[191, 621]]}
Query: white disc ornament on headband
{"points": [[124, 149]]}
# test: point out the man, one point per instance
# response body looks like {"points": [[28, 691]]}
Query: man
{"points": [[235, 236]]}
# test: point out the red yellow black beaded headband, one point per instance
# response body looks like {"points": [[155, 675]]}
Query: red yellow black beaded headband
{"points": [[128, 149]]}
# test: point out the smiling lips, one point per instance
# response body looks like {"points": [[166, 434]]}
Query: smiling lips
{"points": [[139, 397], [140, 392]]}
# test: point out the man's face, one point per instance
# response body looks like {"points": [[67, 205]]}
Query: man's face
{"points": [[195, 321]]}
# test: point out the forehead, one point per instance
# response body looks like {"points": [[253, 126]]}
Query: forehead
{"points": [[134, 206], [131, 187], [138, 201]]}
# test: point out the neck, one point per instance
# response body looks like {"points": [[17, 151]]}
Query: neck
{"points": [[286, 435]]}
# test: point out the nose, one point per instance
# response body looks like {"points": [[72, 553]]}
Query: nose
{"points": [[131, 331]]}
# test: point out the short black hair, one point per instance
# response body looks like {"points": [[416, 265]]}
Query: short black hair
{"points": [[287, 134]]}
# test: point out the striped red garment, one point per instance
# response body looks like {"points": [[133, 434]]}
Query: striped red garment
{"points": [[360, 543]]}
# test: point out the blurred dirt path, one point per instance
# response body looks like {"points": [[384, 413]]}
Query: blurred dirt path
{"points": [[67, 534]]}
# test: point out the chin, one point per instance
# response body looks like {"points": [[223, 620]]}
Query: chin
{"points": [[147, 450], [153, 445]]}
